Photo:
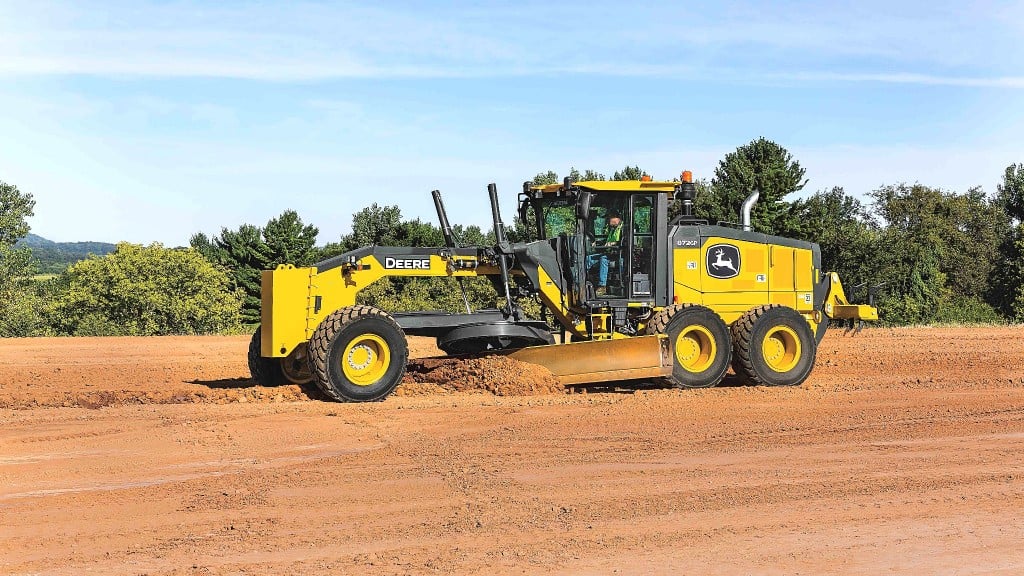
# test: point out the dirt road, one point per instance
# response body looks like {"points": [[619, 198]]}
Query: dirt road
{"points": [[903, 454]]}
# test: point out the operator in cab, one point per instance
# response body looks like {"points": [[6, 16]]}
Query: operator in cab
{"points": [[600, 259]]}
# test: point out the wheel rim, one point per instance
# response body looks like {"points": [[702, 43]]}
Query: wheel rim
{"points": [[781, 348], [366, 359], [296, 366], [695, 348]]}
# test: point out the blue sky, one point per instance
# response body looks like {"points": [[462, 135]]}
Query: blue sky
{"points": [[150, 121]]}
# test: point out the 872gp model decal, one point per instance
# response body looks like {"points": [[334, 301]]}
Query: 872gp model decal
{"points": [[723, 261]]}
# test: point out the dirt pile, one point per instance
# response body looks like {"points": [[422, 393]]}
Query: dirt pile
{"points": [[498, 375]]}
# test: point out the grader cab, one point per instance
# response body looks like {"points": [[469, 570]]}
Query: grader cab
{"points": [[626, 295]]}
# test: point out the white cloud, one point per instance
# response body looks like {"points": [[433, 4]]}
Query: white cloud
{"points": [[867, 42], [903, 78]]}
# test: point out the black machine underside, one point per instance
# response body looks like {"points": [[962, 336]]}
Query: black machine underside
{"points": [[474, 333]]}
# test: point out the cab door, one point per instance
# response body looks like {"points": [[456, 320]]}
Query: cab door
{"points": [[642, 226]]}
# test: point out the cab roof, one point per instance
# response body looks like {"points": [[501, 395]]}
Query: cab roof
{"points": [[612, 186]]}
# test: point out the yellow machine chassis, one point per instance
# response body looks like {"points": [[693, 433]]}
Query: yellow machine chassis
{"points": [[296, 300]]}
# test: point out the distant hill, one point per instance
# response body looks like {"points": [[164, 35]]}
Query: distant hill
{"points": [[53, 257]]}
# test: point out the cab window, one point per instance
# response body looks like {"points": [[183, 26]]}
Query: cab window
{"points": [[559, 217]]}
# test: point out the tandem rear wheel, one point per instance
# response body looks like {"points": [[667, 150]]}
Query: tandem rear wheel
{"points": [[701, 346], [773, 346], [358, 354], [293, 369]]}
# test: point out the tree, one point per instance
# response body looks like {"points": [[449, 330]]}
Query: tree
{"points": [[760, 165], [205, 246], [145, 291], [15, 210], [418, 233], [629, 173], [1010, 193], [246, 252], [972, 227], [378, 225], [289, 241], [18, 307], [243, 255], [471, 235], [374, 226], [586, 176], [1007, 278], [842, 226], [938, 253], [544, 178]]}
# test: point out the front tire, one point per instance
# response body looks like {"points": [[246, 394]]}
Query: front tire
{"points": [[774, 346], [701, 346], [358, 354]]}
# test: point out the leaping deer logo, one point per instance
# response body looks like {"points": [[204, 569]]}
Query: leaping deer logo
{"points": [[722, 262]]}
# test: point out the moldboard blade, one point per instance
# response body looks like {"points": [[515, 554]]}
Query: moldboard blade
{"points": [[602, 360]]}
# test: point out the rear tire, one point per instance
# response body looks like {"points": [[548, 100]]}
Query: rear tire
{"points": [[264, 371], [773, 346], [358, 354], [278, 371], [701, 347], [296, 368]]}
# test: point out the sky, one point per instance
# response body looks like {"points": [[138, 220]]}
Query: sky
{"points": [[150, 121]]}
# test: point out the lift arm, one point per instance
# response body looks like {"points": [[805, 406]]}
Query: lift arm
{"points": [[296, 299]]}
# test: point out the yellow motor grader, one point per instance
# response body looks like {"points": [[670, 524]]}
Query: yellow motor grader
{"points": [[626, 294]]}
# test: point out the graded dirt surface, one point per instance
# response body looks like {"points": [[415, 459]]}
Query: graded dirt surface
{"points": [[904, 453]]}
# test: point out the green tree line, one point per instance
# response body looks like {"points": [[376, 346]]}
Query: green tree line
{"points": [[941, 256]]}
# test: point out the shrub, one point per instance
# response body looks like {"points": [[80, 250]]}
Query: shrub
{"points": [[143, 291]]}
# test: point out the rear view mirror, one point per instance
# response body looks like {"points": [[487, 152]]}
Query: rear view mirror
{"points": [[583, 205]]}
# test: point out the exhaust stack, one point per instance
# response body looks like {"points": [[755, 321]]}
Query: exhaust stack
{"points": [[748, 205]]}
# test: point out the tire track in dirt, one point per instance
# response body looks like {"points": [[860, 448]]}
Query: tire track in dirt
{"points": [[900, 455]]}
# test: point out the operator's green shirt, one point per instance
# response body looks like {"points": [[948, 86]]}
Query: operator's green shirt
{"points": [[614, 235]]}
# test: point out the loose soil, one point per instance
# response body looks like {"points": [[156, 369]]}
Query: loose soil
{"points": [[901, 454], [494, 374]]}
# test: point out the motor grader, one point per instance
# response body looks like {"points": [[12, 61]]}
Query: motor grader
{"points": [[626, 293]]}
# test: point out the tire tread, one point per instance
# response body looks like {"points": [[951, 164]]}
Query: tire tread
{"points": [[320, 344], [659, 325], [742, 331], [264, 371]]}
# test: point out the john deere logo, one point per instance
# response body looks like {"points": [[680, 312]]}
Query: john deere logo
{"points": [[723, 261], [407, 263]]}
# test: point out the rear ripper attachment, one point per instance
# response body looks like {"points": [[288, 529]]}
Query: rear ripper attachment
{"points": [[626, 295]]}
